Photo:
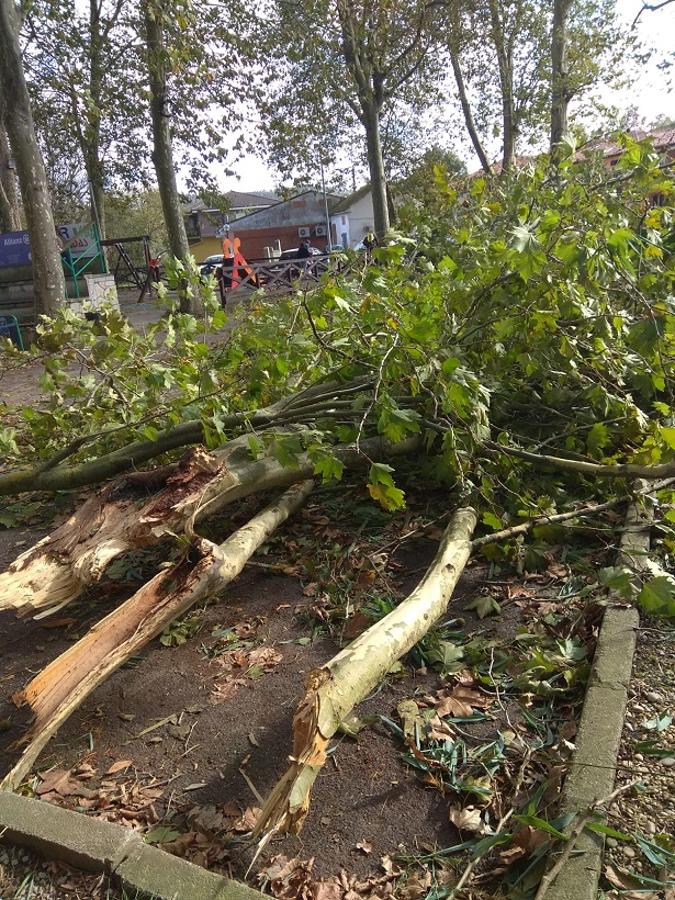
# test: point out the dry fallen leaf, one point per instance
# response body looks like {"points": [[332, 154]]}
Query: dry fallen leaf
{"points": [[248, 819], [467, 819], [119, 766], [57, 780], [365, 846], [460, 702], [409, 714], [328, 890], [416, 887]]}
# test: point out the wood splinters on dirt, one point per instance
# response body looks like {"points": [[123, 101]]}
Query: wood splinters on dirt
{"points": [[66, 682], [334, 690]]}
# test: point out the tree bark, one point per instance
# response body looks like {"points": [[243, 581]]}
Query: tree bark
{"points": [[468, 114], [92, 149], [162, 155], [349, 677], [206, 570], [505, 66], [10, 207], [48, 280], [560, 93], [378, 179]]}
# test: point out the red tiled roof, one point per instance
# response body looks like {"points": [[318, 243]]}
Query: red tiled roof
{"points": [[662, 138]]}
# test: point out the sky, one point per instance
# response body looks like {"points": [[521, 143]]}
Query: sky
{"points": [[650, 95]]}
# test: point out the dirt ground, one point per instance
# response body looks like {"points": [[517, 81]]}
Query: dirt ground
{"points": [[364, 795]]}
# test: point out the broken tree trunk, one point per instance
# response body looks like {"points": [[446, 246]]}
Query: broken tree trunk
{"points": [[349, 677], [55, 571], [208, 568]]}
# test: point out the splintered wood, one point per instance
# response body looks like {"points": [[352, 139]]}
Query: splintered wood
{"points": [[208, 568]]}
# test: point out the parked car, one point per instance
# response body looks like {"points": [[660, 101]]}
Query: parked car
{"points": [[293, 254], [210, 264]]}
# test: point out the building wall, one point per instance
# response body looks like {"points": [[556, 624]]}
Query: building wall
{"points": [[254, 240], [208, 246], [340, 229], [361, 219]]}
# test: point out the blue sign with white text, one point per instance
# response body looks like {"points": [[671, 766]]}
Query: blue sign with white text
{"points": [[15, 249]]}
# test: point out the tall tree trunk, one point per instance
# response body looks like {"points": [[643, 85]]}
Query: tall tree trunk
{"points": [[505, 66], [92, 148], [468, 114], [378, 179], [10, 207], [162, 155], [48, 280], [560, 93]]}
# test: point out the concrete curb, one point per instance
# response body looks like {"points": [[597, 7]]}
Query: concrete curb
{"points": [[593, 767], [98, 846]]}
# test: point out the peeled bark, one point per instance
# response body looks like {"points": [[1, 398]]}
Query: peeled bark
{"points": [[48, 280], [349, 677], [65, 683], [56, 571], [162, 154]]}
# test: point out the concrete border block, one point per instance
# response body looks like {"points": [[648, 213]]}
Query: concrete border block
{"points": [[98, 846], [593, 768]]}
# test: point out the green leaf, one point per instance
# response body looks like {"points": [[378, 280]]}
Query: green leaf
{"points": [[658, 596], [161, 834], [485, 606], [619, 579], [601, 828], [541, 825], [447, 656], [255, 446], [382, 488], [598, 437], [668, 435], [492, 521]]}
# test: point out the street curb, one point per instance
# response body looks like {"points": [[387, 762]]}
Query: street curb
{"points": [[593, 768], [98, 846]]}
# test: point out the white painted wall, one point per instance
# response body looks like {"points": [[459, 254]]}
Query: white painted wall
{"points": [[361, 219], [353, 225]]}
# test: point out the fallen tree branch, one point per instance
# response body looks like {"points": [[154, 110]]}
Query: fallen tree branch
{"points": [[208, 568], [318, 399], [590, 509], [55, 571], [597, 470], [334, 689]]}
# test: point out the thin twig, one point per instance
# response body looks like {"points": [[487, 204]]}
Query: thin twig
{"points": [[575, 830], [591, 509]]}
